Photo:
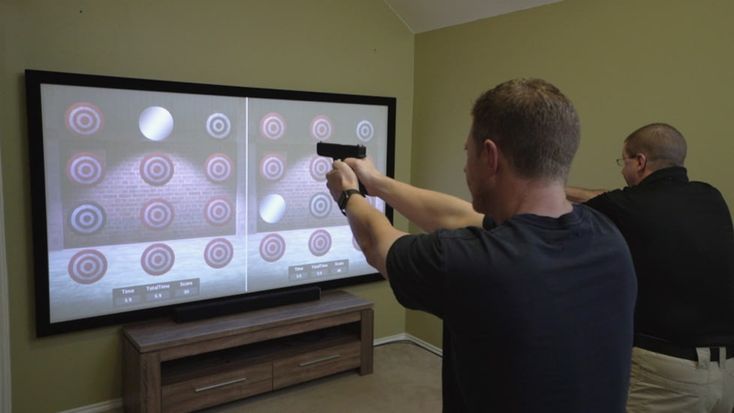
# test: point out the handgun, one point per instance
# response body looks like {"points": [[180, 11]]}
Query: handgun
{"points": [[341, 152]]}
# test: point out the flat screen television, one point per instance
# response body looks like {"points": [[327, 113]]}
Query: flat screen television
{"points": [[150, 194]]}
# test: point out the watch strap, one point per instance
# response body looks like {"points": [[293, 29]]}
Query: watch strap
{"points": [[344, 199]]}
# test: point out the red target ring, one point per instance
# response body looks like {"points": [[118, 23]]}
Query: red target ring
{"points": [[218, 253], [272, 247], [320, 242], [87, 218], [321, 128], [272, 126], [156, 169], [319, 167], [320, 205], [85, 169], [84, 118], [157, 259], [272, 167], [87, 266], [157, 214], [218, 167], [218, 211]]}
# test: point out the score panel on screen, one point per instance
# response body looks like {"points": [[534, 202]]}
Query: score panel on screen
{"points": [[161, 193]]}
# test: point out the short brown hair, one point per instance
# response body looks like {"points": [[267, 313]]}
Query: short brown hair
{"points": [[662, 144], [533, 124]]}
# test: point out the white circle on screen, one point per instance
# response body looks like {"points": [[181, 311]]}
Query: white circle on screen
{"points": [[272, 208], [156, 123]]}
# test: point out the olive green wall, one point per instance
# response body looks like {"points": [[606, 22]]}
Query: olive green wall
{"points": [[342, 46], [624, 63]]}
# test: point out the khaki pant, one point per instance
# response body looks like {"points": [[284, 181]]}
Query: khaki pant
{"points": [[661, 383]]}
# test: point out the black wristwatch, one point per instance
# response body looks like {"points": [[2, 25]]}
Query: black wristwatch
{"points": [[344, 198]]}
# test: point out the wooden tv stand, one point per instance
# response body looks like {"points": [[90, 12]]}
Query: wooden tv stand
{"points": [[171, 367]]}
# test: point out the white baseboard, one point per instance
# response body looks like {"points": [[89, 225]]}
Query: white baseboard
{"points": [[102, 407], [116, 405], [411, 338]]}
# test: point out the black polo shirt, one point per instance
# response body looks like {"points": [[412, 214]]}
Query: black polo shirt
{"points": [[680, 236]]}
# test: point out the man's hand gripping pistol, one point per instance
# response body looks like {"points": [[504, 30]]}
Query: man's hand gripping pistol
{"points": [[341, 152]]}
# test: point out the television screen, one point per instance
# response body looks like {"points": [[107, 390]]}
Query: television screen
{"points": [[150, 194]]}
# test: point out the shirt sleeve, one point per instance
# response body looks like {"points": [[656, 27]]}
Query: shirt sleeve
{"points": [[416, 271]]}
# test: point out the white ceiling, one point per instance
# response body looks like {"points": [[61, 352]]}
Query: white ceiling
{"points": [[425, 15]]}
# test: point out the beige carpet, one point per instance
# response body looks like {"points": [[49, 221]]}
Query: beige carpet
{"points": [[406, 378]]}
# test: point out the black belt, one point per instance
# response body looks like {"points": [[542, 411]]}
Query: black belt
{"points": [[674, 350]]}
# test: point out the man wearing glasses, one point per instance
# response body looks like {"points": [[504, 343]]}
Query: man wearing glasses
{"points": [[680, 236]]}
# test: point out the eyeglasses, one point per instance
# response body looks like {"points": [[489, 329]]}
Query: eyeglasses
{"points": [[620, 161]]}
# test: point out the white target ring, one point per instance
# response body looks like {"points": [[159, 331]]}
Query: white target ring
{"points": [[87, 218], [320, 242], [321, 128], [156, 169], [272, 247], [272, 126], [157, 214], [365, 131], [320, 205], [218, 211], [87, 266], [157, 259], [319, 167], [218, 125], [218, 253], [218, 167], [85, 169], [272, 167], [84, 118]]}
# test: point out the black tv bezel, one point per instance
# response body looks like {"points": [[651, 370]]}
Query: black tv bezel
{"points": [[34, 79]]}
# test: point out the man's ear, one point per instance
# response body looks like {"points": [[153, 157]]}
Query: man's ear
{"points": [[641, 159], [491, 154]]}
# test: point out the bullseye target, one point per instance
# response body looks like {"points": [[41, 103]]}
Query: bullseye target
{"points": [[218, 253], [319, 167], [272, 247], [272, 167], [321, 128], [85, 169], [365, 131], [217, 125], [218, 167], [87, 218], [320, 242], [157, 214], [157, 259], [218, 211], [272, 126], [156, 169], [87, 266], [84, 118], [320, 205]]}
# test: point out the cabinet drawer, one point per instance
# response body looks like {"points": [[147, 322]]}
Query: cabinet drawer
{"points": [[217, 388], [315, 364]]}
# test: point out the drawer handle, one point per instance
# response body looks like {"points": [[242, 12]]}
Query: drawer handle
{"points": [[214, 386], [319, 360]]}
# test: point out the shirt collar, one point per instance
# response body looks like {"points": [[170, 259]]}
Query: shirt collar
{"points": [[673, 173]]}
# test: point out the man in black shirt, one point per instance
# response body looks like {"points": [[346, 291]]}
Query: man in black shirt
{"points": [[536, 295], [680, 236]]}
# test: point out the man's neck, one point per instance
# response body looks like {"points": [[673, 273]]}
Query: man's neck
{"points": [[527, 196]]}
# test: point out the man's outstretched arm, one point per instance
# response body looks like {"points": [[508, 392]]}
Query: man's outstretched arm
{"points": [[429, 210], [373, 232], [579, 195]]}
